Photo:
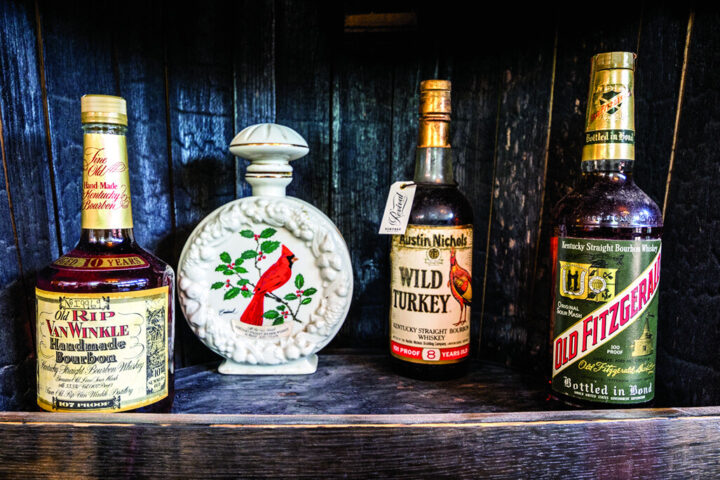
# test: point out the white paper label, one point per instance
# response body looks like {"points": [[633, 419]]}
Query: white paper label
{"points": [[397, 208]]}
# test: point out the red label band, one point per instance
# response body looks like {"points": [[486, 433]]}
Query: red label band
{"points": [[429, 354]]}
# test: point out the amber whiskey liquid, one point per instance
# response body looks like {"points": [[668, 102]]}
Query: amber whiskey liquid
{"points": [[431, 263], [105, 309], [606, 254]]}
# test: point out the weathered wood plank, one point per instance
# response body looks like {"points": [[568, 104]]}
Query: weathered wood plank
{"points": [[303, 59], [139, 59], [657, 83], [361, 149], [200, 93], [26, 173], [511, 333], [254, 73], [77, 45], [688, 364], [358, 385], [577, 43], [649, 444]]}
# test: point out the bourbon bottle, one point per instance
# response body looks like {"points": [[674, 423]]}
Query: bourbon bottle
{"points": [[431, 263], [606, 257], [105, 309]]}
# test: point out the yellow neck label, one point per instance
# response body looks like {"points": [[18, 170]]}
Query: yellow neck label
{"points": [[106, 182], [610, 120]]}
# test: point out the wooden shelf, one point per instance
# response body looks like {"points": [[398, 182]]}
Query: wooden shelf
{"points": [[355, 418]]}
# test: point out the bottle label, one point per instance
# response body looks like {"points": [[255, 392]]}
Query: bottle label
{"points": [[431, 294], [610, 121], [105, 262], [397, 208], [106, 182], [101, 352], [605, 319]]}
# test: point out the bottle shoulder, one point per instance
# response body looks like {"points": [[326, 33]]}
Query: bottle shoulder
{"points": [[86, 270], [608, 205], [442, 205]]}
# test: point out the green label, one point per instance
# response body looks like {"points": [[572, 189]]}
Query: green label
{"points": [[605, 319]]}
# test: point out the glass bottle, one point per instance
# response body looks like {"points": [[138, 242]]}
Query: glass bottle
{"points": [[431, 263], [105, 323], [606, 254]]}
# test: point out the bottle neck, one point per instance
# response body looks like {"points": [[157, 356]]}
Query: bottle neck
{"points": [[610, 121], [434, 165], [106, 206]]}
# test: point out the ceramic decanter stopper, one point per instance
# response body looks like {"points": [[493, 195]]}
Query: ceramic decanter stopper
{"points": [[266, 281]]}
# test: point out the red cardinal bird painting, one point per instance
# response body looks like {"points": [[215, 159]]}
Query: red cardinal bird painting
{"points": [[460, 284], [274, 277]]}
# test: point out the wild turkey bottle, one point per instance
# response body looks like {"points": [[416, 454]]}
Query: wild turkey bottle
{"points": [[431, 263], [606, 257]]}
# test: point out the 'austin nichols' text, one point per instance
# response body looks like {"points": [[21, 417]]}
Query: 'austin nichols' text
{"points": [[426, 279], [73, 327]]}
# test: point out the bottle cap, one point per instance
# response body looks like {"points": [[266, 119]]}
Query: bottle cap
{"points": [[609, 60], [103, 109]]}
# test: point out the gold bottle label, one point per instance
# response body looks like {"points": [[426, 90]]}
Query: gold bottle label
{"points": [[106, 182], [431, 293], [101, 352], [610, 117]]}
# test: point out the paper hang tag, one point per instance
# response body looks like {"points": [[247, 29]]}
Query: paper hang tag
{"points": [[397, 208]]}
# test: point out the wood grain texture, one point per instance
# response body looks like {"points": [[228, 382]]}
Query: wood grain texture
{"points": [[635, 444], [576, 46], [361, 139], [688, 364], [358, 385], [27, 231], [511, 333], [253, 73], [78, 53], [139, 62], [200, 93], [657, 83], [303, 65]]}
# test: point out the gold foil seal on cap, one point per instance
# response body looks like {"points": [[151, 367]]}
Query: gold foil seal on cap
{"points": [[608, 60], [435, 112], [103, 109]]}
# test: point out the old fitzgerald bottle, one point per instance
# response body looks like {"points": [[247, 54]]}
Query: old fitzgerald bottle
{"points": [[606, 257], [105, 309], [431, 264]]}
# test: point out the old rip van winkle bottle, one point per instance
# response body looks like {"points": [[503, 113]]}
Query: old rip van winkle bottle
{"points": [[431, 263], [105, 309], [606, 257]]}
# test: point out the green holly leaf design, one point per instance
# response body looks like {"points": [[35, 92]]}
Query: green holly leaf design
{"points": [[239, 261], [299, 281], [278, 321], [247, 233], [310, 291], [305, 301], [243, 281], [225, 257], [269, 246], [221, 268], [271, 314], [248, 254], [240, 269], [290, 296], [246, 293], [232, 293], [229, 272], [217, 285], [267, 233], [280, 308]]}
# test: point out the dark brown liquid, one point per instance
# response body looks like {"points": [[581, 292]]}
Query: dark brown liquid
{"points": [[606, 205], [157, 274], [440, 205]]}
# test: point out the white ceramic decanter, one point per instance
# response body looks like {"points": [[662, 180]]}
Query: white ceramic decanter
{"points": [[266, 281]]}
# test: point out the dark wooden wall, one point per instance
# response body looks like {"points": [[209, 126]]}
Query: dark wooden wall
{"points": [[193, 77]]}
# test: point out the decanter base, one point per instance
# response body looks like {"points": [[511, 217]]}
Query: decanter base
{"points": [[301, 366]]}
